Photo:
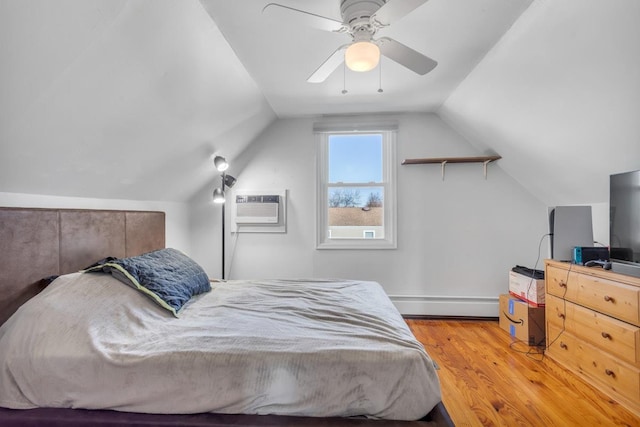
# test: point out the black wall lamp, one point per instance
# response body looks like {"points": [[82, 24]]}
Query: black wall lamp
{"points": [[227, 181]]}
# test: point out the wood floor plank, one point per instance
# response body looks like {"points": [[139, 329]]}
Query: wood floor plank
{"points": [[489, 380]]}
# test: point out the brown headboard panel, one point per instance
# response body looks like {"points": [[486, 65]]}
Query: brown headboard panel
{"points": [[37, 243]]}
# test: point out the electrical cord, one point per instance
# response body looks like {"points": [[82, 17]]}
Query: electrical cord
{"points": [[564, 308], [536, 351], [541, 343], [533, 279], [234, 244]]}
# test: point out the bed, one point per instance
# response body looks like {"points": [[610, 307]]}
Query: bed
{"points": [[240, 354]]}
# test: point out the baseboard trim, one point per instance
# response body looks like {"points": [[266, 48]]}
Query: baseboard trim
{"points": [[456, 318], [446, 306]]}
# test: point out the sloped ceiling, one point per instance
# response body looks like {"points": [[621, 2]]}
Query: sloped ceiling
{"points": [[281, 52], [119, 99], [559, 98], [128, 98]]}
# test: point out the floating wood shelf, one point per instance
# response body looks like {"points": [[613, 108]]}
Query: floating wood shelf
{"points": [[485, 160]]}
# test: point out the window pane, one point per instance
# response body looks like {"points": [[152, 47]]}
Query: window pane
{"points": [[356, 213], [356, 189], [355, 158]]}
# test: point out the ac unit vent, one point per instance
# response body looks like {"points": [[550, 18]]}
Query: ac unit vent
{"points": [[254, 209]]}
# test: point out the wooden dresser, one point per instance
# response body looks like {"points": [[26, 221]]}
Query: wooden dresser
{"points": [[593, 328]]}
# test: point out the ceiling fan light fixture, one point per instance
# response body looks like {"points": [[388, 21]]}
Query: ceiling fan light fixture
{"points": [[362, 56]]}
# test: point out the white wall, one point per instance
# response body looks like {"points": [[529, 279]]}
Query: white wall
{"points": [[600, 219], [457, 238], [559, 98], [176, 214]]}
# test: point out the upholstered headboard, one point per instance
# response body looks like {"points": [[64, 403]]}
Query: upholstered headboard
{"points": [[37, 243]]}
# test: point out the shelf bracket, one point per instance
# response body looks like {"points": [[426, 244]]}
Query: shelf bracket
{"points": [[444, 162], [484, 166]]}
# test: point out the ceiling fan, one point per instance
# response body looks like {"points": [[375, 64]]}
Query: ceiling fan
{"points": [[361, 19]]}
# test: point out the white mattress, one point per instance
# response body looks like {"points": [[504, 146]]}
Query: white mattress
{"points": [[313, 348]]}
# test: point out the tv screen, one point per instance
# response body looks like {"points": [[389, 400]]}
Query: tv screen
{"points": [[624, 217]]}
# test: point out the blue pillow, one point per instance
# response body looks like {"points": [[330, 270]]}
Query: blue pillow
{"points": [[167, 276]]}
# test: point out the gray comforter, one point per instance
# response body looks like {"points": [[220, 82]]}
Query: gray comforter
{"points": [[315, 348]]}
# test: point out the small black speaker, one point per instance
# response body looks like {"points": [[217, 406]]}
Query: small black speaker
{"points": [[584, 254]]}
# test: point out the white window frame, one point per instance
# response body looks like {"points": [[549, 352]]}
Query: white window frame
{"points": [[323, 240]]}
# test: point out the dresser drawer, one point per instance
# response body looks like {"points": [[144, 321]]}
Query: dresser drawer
{"points": [[606, 296], [613, 336], [579, 356]]}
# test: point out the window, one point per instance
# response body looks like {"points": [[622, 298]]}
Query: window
{"points": [[356, 189]]}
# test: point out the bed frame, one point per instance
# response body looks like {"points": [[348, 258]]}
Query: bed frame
{"points": [[38, 243]]}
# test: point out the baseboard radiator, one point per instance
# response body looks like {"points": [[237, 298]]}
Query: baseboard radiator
{"points": [[436, 305]]}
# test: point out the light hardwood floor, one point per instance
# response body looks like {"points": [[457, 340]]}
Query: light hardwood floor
{"points": [[488, 380]]}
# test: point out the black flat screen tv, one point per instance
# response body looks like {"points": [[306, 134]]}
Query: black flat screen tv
{"points": [[624, 222]]}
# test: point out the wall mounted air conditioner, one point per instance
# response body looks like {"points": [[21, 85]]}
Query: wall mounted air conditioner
{"points": [[257, 209]]}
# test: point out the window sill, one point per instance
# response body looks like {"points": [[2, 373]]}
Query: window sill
{"points": [[363, 244]]}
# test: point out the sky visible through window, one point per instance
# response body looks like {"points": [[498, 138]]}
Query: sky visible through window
{"points": [[356, 158]]}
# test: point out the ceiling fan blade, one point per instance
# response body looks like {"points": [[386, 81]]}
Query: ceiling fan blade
{"points": [[404, 55], [328, 66], [281, 13], [393, 10]]}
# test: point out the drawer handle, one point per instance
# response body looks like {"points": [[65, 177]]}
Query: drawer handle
{"points": [[606, 335], [561, 315], [562, 285], [610, 373], [607, 298], [563, 345]]}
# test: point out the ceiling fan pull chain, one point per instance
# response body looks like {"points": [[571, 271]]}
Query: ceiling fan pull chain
{"points": [[380, 80], [344, 78]]}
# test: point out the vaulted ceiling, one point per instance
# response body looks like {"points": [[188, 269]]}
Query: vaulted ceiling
{"points": [[280, 52], [129, 98]]}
